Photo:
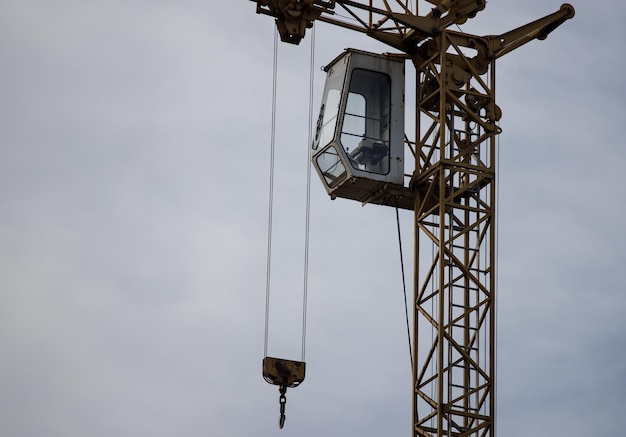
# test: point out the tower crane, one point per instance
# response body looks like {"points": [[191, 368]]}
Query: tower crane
{"points": [[448, 180]]}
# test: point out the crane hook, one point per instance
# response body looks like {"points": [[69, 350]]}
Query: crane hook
{"points": [[284, 374], [283, 401]]}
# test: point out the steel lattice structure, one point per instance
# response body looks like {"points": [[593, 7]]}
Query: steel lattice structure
{"points": [[451, 189], [454, 379]]}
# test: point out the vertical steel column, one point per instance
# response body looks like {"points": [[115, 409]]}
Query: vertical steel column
{"points": [[454, 181]]}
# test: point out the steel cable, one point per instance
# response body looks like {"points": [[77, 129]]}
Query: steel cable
{"points": [[308, 193], [271, 195], [406, 304]]}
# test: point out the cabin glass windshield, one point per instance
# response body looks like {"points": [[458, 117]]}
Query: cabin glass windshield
{"points": [[366, 121], [327, 120], [331, 166], [328, 117]]}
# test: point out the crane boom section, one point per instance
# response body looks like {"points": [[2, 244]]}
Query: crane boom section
{"points": [[398, 25], [381, 19]]}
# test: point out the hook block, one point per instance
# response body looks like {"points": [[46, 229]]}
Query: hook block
{"points": [[286, 373]]}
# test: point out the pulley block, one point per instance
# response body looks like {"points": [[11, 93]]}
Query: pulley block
{"points": [[285, 374]]}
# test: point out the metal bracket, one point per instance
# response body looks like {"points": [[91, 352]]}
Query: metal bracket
{"points": [[287, 373], [293, 17]]}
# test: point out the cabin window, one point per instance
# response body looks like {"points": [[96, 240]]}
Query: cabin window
{"points": [[331, 167], [365, 129]]}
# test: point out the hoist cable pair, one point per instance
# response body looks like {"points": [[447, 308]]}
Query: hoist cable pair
{"points": [[277, 371]]}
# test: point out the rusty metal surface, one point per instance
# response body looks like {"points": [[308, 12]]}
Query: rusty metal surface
{"points": [[287, 373]]}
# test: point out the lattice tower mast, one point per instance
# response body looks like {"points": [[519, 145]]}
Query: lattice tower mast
{"points": [[451, 189]]}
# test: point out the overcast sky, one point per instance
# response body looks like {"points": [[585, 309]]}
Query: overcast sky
{"points": [[134, 153]]}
